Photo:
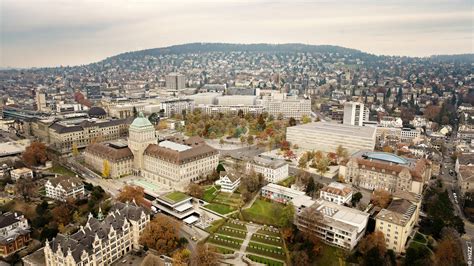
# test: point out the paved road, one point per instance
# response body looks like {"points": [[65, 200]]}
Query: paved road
{"points": [[450, 182]]}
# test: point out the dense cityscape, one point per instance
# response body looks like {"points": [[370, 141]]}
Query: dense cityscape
{"points": [[235, 154]]}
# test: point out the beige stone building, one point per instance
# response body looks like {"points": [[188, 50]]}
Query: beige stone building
{"points": [[102, 241], [64, 134], [396, 222], [116, 155], [380, 170]]}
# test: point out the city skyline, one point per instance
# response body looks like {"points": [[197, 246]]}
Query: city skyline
{"points": [[53, 33]]}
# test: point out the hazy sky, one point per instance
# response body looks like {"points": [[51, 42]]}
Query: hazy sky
{"points": [[71, 32]]}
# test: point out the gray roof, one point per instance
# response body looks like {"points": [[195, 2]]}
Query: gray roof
{"points": [[82, 240], [338, 129]]}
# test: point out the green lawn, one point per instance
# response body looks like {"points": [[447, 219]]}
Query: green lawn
{"points": [[266, 250], [223, 250], [61, 170], [420, 238], [268, 231], [264, 260], [215, 225], [175, 196], [267, 239], [235, 224], [263, 212], [287, 182], [232, 200], [232, 232], [209, 194], [226, 241], [219, 208], [331, 256]]}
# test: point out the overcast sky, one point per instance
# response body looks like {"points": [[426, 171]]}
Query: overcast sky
{"points": [[71, 32]]}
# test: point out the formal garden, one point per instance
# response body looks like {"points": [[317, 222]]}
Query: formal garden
{"points": [[228, 237]]}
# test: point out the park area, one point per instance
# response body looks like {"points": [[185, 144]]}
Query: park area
{"points": [[263, 212], [228, 237], [220, 202], [266, 246]]}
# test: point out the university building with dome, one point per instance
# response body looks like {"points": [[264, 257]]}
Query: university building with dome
{"points": [[173, 163]]}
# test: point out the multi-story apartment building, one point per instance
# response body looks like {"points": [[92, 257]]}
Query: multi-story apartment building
{"points": [[380, 170], [274, 170], [41, 101], [101, 241], [14, 233], [336, 192], [175, 81], [333, 223], [355, 114], [289, 108], [410, 135], [232, 109], [177, 106], [327, 137], [396, 222], [176, 162], [63, 187], [116, 154], [64, 134]]}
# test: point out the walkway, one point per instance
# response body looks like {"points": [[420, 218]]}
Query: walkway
{"points": [[251, 229]]}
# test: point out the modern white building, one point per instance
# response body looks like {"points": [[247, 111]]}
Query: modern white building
{"points": [[177, 106], [227, 100], [289, 108], [176, 204], [327, 137], [175, 81], [355, 114], [63, 187], [333, 223], [338, 193], [229, 182], [410, 135], [282, 194], [19, 173], [102, 240], [41, 101], [274, 170]]}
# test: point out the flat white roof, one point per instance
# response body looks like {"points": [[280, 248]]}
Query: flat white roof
{"points": [[343, 214], [283, 190], [173, 146], [191, 219], [184, 206], [337, 129]]}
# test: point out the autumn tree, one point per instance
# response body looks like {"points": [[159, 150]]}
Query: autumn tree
{"points": [[204, 255], [432, 112], [195, 190], [105, 169], [161, 234], [300, 257], [25, 188], [35, 154], [151, 260], [250, 140], [449, 249], [305, 119], [303, 161], [341, 153], [242, 139], [75, 150], [132, 193], [373, 242], [312, 216], [63, 213], [289, 154], [381, 198], [388, 149], [181, 257], [162, 125], [322, 165], [356, 198]]}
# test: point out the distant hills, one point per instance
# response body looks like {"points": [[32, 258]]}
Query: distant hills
{"points": [[276, 49], [231, 47]]}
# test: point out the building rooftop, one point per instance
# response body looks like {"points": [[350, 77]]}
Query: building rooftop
{"points": [[141, 121], [283, 190], [268, 161], [337, 188], [398, 212], [342, 214], [174, 197], [174, 146], [338, 129]]}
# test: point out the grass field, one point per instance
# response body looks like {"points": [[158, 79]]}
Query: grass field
{"points": [[288, 181], [209, 194], [263, 212], [175, 196], [222, 250], [232, 200], [331, 256], [219, 208], [215, 226], [61, 170], [265, 261]]}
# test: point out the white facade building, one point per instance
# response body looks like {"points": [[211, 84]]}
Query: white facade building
{"points": [[355, 114], [177, 106], [63, 187], [274, 170], [333, 223], [289, 108], [19, 173], [175, 81], [336, 192], [229, 182], [327, 137]]}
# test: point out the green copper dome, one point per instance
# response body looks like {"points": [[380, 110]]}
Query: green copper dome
{"points": [[141, 121]]}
